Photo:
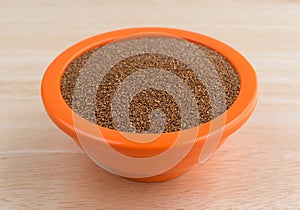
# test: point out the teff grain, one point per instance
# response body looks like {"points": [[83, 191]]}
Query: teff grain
{"points": [[146, 101]]}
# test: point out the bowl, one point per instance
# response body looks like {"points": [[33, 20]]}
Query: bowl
{"points": [[148, 157]]}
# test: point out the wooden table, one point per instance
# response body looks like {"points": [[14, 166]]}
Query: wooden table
{"points": [[259, 167]]}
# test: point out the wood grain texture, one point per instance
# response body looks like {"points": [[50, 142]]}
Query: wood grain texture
{"points": [[258, 167]]}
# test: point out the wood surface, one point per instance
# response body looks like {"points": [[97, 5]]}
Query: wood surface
{"points": [[257, 168]]}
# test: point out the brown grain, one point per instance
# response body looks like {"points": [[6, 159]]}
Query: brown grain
{"points": [[151, 99]]}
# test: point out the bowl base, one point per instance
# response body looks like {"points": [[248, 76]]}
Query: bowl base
{"points": [[162, 177]]}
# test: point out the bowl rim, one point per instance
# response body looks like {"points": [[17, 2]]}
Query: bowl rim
{"points": [[62, 115]]}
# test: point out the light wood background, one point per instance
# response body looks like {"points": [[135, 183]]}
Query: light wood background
{"points": [[258, 167]]}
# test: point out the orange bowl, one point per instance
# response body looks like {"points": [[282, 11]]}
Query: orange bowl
{"points": [[133, 155]]}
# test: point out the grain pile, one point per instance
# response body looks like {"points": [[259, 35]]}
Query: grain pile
{"points": [[143, 105]]}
